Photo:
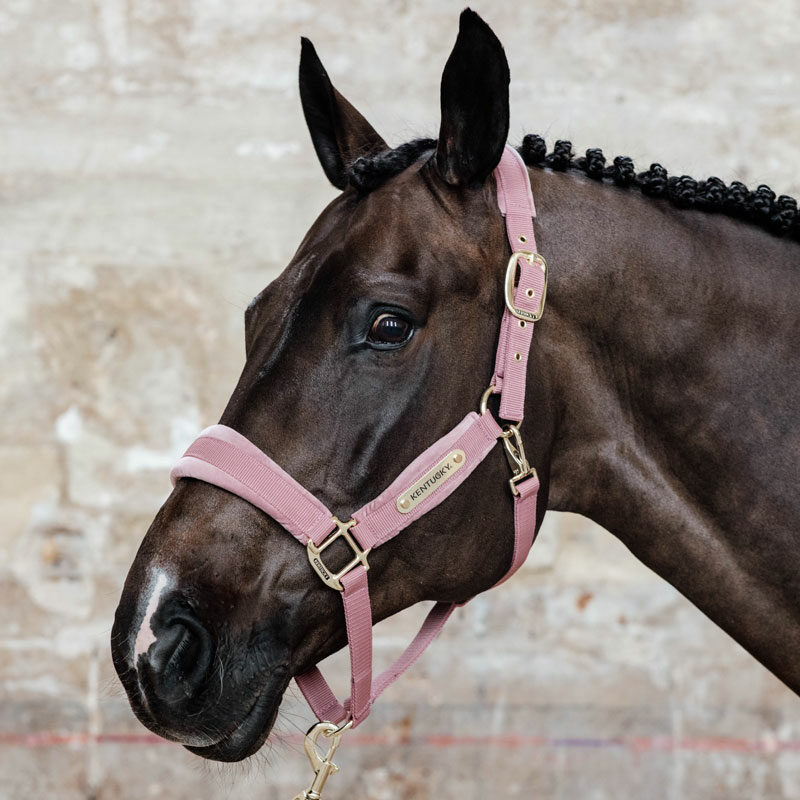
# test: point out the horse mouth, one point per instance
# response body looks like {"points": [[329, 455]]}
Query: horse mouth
{"points": [[249, 734]]}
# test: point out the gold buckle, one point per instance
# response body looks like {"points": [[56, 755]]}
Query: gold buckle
{"points": [[511, 274], [515, 455], [314, 553]]}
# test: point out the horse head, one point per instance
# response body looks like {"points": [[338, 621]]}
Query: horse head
{"points": [[375, 340]]}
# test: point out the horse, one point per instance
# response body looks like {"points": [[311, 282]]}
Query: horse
{"points": [[662, 401]]}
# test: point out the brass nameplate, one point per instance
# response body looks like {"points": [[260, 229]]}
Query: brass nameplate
{"points": [[431, 481]]}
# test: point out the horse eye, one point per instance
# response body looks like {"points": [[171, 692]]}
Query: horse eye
{"points": [[390, 329]]}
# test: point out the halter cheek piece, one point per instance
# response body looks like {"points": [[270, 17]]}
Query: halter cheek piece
{"points": [[225, 458]]}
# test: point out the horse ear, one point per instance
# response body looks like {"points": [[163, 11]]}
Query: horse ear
{"points": [[339, 133], [474, 100]]}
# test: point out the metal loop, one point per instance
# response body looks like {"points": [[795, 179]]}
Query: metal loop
{"points": [[314, 552], [483, 407]]}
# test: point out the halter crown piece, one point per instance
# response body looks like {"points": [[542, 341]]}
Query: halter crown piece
{"points": [[225, 458]]}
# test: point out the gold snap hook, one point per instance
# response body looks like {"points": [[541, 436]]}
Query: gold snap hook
{"points": [[515, 455], [322, 765]]}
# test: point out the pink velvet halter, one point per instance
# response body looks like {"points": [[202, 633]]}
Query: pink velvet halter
{"points": [[225, 458]]}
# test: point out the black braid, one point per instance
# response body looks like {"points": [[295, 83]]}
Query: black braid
{"points": [[561, 157], [682, 190], [623, 172], [533, 149], [711, 194], [779, 215], [784, 215], [654, 181], [593, 164], [736, 199], [369, 172]]}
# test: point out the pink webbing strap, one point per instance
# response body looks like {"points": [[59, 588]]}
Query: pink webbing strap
{"points": [[516, 202], [524, 524], [381, 520], [358, 618], [223, 457], [323, 701]]}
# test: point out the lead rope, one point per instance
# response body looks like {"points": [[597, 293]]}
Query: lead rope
{"points": [[223, 457]]}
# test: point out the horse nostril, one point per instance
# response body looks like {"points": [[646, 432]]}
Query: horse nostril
{"points": [[180, 658]]}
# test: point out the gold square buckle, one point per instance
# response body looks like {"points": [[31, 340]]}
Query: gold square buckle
{"points": [[511, 274], [314, 552]]}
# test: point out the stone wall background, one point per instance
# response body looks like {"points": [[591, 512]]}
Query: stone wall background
{"points": [[155, 174]]}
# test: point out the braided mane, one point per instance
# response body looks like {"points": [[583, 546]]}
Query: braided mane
{"points": [[761, 206]]}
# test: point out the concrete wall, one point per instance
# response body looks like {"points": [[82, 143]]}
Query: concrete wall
{"points": [[155, 174]]}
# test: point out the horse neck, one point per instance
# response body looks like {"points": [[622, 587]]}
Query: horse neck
{"points": [[669, 343]]}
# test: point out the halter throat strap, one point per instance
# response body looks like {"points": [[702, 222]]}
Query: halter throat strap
{"points": [[223, 457]]}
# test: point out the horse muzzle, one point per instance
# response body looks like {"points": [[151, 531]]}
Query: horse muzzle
{"points": [[183, 685]]}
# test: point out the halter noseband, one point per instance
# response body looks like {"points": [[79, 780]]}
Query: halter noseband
{"points": [[224, 458]]}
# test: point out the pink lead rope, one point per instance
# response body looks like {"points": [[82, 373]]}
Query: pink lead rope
{"points": [[223, 457]]}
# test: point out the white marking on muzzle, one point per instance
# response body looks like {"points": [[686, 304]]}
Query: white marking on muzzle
{"points": [[146, 635]]}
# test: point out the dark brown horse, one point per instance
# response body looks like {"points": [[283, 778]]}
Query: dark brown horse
{"points": [[663, 404]]}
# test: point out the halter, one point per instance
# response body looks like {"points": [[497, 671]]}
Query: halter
{"points": [[224, 458]]}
